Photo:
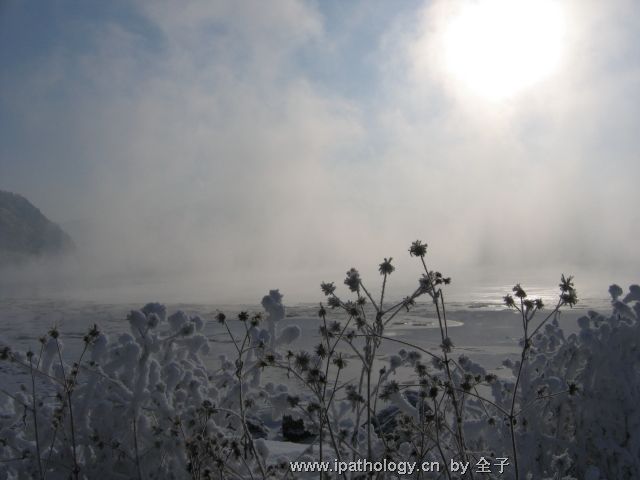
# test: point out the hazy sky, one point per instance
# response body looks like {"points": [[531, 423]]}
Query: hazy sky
{"points": [[229, 145]]}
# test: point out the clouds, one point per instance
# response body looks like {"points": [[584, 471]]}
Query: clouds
{"points": [[189, 141], [228, 140], [525, 176]]}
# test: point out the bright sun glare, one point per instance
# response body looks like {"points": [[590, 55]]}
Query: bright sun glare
{"points": [[499, 47]]}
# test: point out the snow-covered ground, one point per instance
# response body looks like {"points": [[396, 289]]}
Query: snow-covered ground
{"points": [[482, 328]]}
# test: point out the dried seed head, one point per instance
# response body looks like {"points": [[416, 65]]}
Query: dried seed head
{"points": [[418, 249]]}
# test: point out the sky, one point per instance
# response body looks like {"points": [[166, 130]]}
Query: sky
{"points": [[218, 149]]}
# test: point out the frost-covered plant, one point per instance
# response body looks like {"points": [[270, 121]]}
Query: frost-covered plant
{"points": [[528, 308], [452, 408], [143, 405], [441, 414], [590, 383], [369, 318]]}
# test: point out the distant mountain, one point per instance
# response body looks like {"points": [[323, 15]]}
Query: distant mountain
{"points": [[25, 233]]}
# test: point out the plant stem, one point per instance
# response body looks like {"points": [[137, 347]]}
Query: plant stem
{"points": [[135, 446], [35, 417]]}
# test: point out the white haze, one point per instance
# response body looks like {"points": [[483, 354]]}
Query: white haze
{"points": [[205, 160]]}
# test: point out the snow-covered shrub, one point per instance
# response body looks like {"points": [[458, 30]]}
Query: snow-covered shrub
{"points": [[140, 405], [590, 383]]}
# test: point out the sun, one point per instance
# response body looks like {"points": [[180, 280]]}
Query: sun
{"points": [[497, 48]]}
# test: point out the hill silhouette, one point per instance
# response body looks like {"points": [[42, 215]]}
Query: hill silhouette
{"points": [[25, 233]]}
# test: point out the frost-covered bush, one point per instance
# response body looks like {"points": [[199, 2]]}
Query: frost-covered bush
{"points": [[595, 419], [568, 411], [143, 405]]}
